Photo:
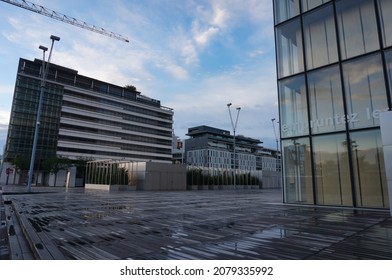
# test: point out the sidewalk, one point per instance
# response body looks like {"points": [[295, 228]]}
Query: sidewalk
{"points": [[214, 224]]}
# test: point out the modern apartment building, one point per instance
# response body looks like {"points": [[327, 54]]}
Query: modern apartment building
{"points": [[334, 69], [213, 148], [84, 118]]}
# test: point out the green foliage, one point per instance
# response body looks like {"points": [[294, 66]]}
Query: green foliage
{"points": [[131, 87], [55, 164], [21, 163], [196, 176], [22, 166]]}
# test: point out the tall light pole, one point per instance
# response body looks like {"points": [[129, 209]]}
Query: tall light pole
{"points": [[234, 125], [277, 152], [276, 137], [44, 73]]}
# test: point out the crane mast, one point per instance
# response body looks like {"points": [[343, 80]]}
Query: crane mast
{"points": [[64, 18]]}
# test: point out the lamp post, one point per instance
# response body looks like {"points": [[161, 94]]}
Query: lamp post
{"points": [[234, 125], [276, 137], [44, 73], [277, 152]]}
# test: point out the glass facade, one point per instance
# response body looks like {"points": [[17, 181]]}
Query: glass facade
{"points": [[319, 30], [357, 27], [365, 91], [293, 107], [331, 168], [385, 11], [289, 42], [23, 119], [326, 100], [297, 167], [334, 68]]}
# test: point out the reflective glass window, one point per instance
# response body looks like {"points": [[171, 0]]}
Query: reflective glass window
{"points": [[385, 8], [297, 171], [285, 9], [320, 38], [293, 107], [369, 169], [310, 4], [326, 100], [332, 172], [357, 27], [289, 48], [388, 60], [365, 91]]}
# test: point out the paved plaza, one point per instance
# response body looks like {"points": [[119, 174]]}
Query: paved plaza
{"points": [[56, 223]]}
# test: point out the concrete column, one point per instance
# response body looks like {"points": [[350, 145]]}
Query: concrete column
{"points": [[386, 135]]}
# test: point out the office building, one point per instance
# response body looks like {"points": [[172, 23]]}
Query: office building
{"points": [[211, 147], [85, 118], [334, 71]]}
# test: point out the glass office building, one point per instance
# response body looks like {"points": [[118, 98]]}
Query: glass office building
{"points": [[85, 118], [334, 68]]}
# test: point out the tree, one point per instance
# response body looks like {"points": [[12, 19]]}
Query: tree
{"points": [[131, 87], [22, 166]]}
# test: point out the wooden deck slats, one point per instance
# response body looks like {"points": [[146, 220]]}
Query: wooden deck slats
{"points": [[246, 224]]}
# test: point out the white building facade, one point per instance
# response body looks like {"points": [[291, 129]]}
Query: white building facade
{"points": [[214, 148]]}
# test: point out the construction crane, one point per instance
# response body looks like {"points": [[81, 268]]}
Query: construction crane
{"points": [[64, 18]]}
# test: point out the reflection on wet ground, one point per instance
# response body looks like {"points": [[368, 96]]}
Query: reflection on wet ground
{"points": [[243, 224]]}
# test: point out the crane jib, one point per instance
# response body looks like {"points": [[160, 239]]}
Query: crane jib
{"points": [[64, 18]]}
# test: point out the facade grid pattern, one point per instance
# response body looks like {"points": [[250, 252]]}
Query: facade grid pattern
{"points": [[334, 79], [211, 147]]}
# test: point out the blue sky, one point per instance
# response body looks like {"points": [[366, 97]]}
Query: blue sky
{"points": [[194, 56]]}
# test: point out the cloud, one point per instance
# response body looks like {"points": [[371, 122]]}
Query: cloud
{"points": [[202, 37], [174, 69], [208, 23], [165, 58], [4, 118], [254, 90], [256, 53], [189, 53], [220, 17]]}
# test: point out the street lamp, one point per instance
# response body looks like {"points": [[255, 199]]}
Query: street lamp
{"points": [[234, 125], [276, 137], [44, 73]]}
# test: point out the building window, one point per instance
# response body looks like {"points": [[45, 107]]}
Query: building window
{"points": [[297, 171], [285, 9], [310, 4], [385, 8], [365, 91], [388, 60], [369, 169], [289, 48], [357, 27], [332, 173], [326, 100], [320, 38], [293, 107]]}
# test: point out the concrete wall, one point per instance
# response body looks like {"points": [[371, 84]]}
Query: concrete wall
{"points": [[12, 177], [163, 176], [271, 179], [60, 179], [149, 176], [110, 187]]}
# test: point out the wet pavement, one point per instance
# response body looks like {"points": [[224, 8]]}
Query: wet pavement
{"points": [[55, 223]]}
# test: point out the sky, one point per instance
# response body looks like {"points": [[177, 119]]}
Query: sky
{"points": [[195, 56]]}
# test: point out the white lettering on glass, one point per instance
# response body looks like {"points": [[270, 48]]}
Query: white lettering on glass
{"points": [[331, 121]]}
